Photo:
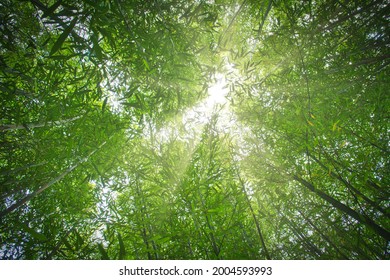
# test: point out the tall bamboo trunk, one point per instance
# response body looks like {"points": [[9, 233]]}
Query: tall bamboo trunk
{"points": [[30, 196], [347, 210], [259, 232], [7, 127]]}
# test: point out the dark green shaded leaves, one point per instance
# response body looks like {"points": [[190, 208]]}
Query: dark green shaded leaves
{"points": [[104, 104], [58, 44], [50, 11], [33, 233], [103, 252], [80, 240], [122, 249], [107, 35], [96, 48]]}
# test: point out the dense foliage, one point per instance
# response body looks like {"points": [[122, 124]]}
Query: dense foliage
{"points": [[106, 154]]}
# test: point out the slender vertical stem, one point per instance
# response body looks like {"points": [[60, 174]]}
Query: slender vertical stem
{"points": [[30, 196]]}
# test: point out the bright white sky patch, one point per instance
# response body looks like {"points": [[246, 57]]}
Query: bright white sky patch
{"points": [[190, 124], [217, 92], [199, 115], [195, 118]]}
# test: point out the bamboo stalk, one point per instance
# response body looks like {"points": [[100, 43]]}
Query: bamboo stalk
{"points": [[30, 196]]}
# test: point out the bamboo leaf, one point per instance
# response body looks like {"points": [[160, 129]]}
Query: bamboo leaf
{"points": [[67, 245], [146, 64], [58, 44], [63, 57], [33, 233], [96, 48], [50, 11], [107, 35], [132, 104], [104, 104], [80, 240], [103, 252], [122, 249], [334, 127]]}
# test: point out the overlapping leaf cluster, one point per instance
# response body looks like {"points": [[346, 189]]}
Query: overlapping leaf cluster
{"points": [[78, 79], [315, 93], [88, 88]]}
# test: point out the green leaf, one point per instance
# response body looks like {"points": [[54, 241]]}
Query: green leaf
{"points": [[80, 240], [132, 104], [63, 57], [160, 239], [107, 35], [104, 104], [335, 126], [50, 11], [67, 245], [215, 210], [96, 48], [103, 252], [146, 64], [122, 249], [58, 44], [33, 233]]}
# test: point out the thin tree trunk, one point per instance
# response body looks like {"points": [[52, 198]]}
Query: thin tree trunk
{"points": [[7, 127], [59, 243], [305, 240], [349, 16], [348, 244], [231, 23], [144, 231], [350, 187], [28, 197], [212, 239], [266, 253], [323, 235], [344, 208], [23, 168], [309, 245], [16, 189], [350, 130], [269, 6], [216, 248]]}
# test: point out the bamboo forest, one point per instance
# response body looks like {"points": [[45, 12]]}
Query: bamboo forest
{"points": [[196, 130]]}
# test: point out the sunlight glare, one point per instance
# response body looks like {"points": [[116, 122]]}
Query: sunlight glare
{"points": [[217, 92], [194, 119]]}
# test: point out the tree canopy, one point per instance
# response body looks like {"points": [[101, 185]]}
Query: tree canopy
{"points": [[205, 129]]}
